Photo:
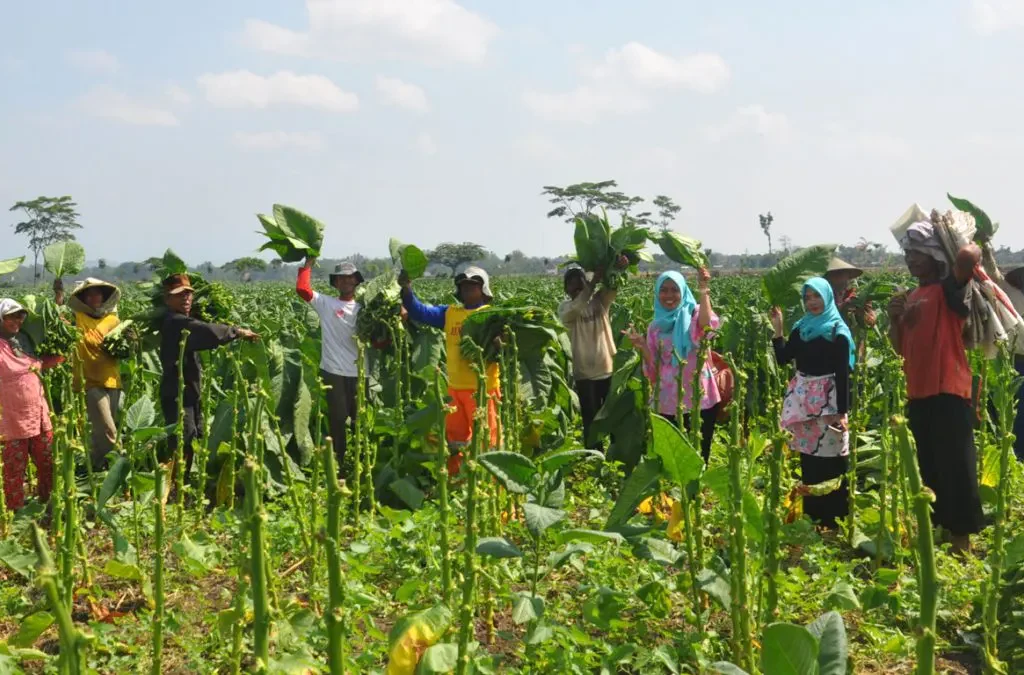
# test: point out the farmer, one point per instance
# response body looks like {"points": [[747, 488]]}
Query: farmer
{"points": [[670, 346], [1013, 286], [585, 317], [94, 303], [926, 329], [202, 336], [839, 275], [473, 290], [818, 397], [339, 353], [25, 428]]}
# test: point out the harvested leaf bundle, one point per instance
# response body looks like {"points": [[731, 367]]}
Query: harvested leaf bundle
{"points": [[411, 258], [46, 327], [783, 284], [63, 258], [211, 300], [11, 264], [534, 328], [683, 250], [618, 252], [122, 340], [293, 235], [380, 306]]}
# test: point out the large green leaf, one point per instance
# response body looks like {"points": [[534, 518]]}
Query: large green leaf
{"points": [[788, 649], [497, 547], [63, 258], [412, 259], [141, 414], [114, 482], [783, 283], [560, 458], [171, 264], [540, 518], [30, 628], [304, 227], [985, 227], [678, 457], [714, 581], [11, 264], [439, 658], [642, 483], [683, 250], [17, 558], [514, 471], [422, 628], [833, 650]]}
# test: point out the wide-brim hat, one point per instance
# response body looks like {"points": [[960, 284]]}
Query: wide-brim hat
{"points": [[177, 284], [839, 265], [346, 269], [474, 274], [9, 307], [111, 295]]}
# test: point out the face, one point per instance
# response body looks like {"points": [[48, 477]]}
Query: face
{"points": [[813, 303], [471, 292], [180, 302], [669, 295], [839, 281], [921, 265], [92, 297], [574, 286], [346, 285], [12, 322]]}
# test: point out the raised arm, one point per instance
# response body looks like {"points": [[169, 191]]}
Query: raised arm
{"points": [[204, 336], [303, 285], [571, 310], [420, 312], [704, 312]]}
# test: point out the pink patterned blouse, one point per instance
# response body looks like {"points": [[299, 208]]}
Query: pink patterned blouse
{"points": [[667, 374], [23, 409]]}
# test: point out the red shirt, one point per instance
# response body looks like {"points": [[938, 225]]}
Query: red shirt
{"points": [[931, 341]]}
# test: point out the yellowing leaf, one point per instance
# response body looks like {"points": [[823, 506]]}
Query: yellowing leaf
{"points": [[413, 635]]}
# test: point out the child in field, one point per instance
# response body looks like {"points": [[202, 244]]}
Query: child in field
{"points": [[818, 397], [473, 290], [926, 329], [678, 326], [25, 427]]}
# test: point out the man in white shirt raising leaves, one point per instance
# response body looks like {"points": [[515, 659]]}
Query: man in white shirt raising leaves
{"points": [[338, 351]]}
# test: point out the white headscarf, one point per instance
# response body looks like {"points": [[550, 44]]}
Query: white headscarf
{"points": [[921, 237], [9, 306]]}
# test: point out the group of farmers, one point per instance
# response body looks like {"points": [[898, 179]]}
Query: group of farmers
{"points": [[926, 327]]}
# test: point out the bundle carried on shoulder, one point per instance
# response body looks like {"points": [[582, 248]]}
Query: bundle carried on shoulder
{"points": [[992, 319]]}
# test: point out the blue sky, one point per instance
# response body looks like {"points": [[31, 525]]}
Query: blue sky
{"points": [[172, 124]]}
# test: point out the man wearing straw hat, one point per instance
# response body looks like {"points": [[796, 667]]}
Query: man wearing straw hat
{"points": [[94, 303], [839, 275]]}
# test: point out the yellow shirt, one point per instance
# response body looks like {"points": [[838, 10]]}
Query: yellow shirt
{"points": [[460, 375], [99, 368]]}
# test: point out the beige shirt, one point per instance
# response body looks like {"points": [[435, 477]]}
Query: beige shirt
{"points": [[590, 333]]}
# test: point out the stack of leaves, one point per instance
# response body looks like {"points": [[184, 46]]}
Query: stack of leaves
{"points": [[293, 235], [211, 300], [64, 258], [682, 250], [122, 340], [47, 327], [783, 284], [617, 252], [380, 299], [534, 329]]}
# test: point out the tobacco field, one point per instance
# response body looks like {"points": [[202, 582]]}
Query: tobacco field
{"points": [[540, 557]]}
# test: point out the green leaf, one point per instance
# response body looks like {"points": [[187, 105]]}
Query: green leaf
{"points": [[430, 624], [716, 585], [147, 434], [120, 570], [408, 492], [11, 264], [783, 283], [683, 250], [826, 487], [293, 664], [527, 608], [591, 536], [18, 559], [842, 596], [303, 227], [788, 649], [642, 483], [497, 547], [171, 264], [726, 668], [514, 471], [141, 414], [831, 634], [553, 461], [985, 227], [30, 628], [540, 518], [413, 260], [64, 258], [679, 459], [114, 482], [200, 557], [439, 658]]}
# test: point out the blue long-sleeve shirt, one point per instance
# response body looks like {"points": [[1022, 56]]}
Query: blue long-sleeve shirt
{"points": [[421, 312]]}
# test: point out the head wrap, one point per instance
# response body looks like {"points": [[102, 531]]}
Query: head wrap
{"points": [[111, 296], [9, 306], [478, 275], [921, 237], [17, 340], [829, 323], [675, 322]]}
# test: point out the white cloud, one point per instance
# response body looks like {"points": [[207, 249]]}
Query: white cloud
{"points": [[276, 140], [845, 143], [97, 61], [402, 94], [754, 119], [993, 16], [243, 89], [625, 81], [111, 104], [177, 95], [432, 30], [426, 144]]}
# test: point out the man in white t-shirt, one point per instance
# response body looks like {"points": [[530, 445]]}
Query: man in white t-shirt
{"points": [[338, 351]]}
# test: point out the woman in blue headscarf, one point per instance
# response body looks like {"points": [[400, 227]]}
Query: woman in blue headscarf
{"points": [[818, 397], [669, 349]]}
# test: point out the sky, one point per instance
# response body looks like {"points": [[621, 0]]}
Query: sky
{"points": [[173, 124]]}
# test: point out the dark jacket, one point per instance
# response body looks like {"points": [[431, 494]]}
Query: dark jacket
{"points": [[202, 336]]}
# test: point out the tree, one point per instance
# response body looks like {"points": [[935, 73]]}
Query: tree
{"points": [[766, 227], [667, 211], [245, 267], [581, 199], [454, 255], [49, 220]]}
